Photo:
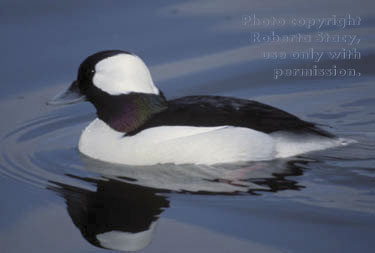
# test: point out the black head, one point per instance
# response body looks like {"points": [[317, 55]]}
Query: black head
{"points": [[112, 72], [86, 70]]}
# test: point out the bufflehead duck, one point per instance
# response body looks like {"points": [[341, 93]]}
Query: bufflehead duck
{"points": [[136, 125]]}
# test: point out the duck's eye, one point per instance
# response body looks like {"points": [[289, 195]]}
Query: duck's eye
{"points": [[89, 72]]}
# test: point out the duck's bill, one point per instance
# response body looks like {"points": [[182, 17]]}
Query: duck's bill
{"points": [[71, 96]]}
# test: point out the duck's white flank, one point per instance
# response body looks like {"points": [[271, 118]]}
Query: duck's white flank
{"points": [[199, 145], [122, 74]]}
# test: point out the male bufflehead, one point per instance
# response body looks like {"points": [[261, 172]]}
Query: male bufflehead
{"points": [[136, 125]]}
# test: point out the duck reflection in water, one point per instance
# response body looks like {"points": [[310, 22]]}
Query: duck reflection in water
{"points": [[118, 215], [122, 213]]}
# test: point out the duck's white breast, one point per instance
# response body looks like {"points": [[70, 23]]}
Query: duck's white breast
{"points": [[176, 144]]}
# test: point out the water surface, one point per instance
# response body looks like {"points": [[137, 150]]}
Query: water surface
{"points": [[57, 200]]}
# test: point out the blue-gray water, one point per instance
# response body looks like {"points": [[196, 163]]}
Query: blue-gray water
{"points": [[56, 200]]}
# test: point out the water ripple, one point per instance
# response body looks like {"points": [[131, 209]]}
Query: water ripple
{"points": [[24, 150]]}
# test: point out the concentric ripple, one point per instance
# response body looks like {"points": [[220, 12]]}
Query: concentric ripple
{"points": [[42, 150]]}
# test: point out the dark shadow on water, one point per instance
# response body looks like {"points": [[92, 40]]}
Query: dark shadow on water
{"points": [[118, 215], [122, 214]]}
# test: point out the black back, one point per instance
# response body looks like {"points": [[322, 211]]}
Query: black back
{"points": [[210, 111]]}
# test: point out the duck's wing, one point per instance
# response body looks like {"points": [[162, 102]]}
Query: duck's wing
{"points": [[209, 111]]}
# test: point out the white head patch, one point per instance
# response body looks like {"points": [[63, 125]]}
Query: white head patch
{"points": [[123, 74]]}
